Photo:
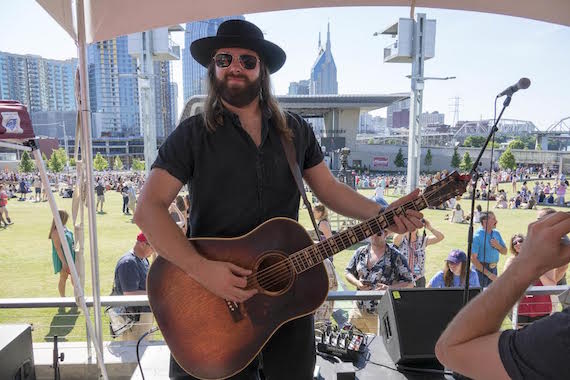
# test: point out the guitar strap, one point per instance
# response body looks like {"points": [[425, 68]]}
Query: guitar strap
{"points": [[296, 171]]}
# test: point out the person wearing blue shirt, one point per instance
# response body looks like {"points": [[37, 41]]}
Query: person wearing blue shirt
{"points": [[487, 245], [130, 279], [454, 273]]}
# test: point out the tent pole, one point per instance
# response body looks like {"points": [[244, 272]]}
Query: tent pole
{"points": [[78, 290], [87, 157]]}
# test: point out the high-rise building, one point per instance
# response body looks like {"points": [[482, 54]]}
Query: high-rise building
{"points": [[300, 88], [398, 114], [113, 89], [41, 84], [163, 99], [193, 74], [323, 73], [174, 102]]}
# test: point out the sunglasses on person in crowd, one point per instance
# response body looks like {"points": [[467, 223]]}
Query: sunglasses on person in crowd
{"points": [[247, 61], [518, 241]]}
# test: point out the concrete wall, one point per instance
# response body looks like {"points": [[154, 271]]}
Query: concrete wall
{"points": [[441, 157]]}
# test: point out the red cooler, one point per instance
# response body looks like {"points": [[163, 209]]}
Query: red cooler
{"points": [[15, 122]]}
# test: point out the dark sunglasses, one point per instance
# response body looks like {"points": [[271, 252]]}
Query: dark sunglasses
{"points": [[516, 241], [246, 61]]}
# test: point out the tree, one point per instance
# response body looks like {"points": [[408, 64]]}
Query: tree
{"points": [[137, 165], [118, 164], [72, 162], [100, 163], [455, 159], [428, 159], [466, 163], [507, 160], [56, 163], [474, 141], [399, 160], [26, 163], [517, 144]]}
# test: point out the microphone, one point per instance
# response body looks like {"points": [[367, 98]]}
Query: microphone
{"points": [[522, 84]]}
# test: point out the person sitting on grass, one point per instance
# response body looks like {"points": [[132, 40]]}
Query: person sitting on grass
{"points": [[457, 216]]}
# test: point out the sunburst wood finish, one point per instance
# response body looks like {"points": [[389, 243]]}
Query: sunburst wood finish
{"points": [[211, 338], [197, 325]]}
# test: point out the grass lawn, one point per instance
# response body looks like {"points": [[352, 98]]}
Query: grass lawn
{"points": [[26, 266]]}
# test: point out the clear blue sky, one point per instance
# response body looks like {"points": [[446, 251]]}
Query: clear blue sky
{"points": [[485, 52]]}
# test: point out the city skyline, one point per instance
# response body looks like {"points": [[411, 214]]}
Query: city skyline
{"points": [[485, 52]]}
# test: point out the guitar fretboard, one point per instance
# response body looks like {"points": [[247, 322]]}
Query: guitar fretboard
{"points": [[307, 258]]}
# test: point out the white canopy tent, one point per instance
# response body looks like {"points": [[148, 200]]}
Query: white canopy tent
{"points": [[89, 21], [105, 19]]}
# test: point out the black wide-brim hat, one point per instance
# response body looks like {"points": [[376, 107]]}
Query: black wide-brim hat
{"points": [[241, 34]]}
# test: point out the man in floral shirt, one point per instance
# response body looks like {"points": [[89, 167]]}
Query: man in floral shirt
{"points": [[375, 266]]}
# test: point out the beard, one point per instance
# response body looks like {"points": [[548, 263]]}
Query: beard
{"points": [[238, 96]]}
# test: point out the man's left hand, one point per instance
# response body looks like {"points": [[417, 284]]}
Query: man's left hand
{"points": [[410, 220]]}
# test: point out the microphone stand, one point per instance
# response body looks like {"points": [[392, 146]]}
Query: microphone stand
{"points": [[475, 178]]}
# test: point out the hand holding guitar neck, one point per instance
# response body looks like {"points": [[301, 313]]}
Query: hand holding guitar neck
{"points": [[413, 218], [226, 280]]}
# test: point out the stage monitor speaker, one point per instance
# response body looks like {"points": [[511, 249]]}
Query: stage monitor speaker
{"points": [[411, 321], [16, 353]]}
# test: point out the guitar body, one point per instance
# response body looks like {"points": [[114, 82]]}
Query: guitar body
{"points": [[211, 338]]}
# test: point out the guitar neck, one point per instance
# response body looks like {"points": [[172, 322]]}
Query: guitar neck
{"points": [[313, 255]]}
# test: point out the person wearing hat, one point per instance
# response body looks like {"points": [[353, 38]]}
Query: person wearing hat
{"points": [[237, 140], [454, 272], [130, 279]]}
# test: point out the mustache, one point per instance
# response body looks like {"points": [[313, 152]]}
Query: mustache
{"points": [[238, 76]]}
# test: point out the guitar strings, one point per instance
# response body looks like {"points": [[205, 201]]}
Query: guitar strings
{"points": [[282, 270], [279, 272]]}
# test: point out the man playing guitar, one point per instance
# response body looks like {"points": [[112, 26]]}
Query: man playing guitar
{"points": [[232, 158]]}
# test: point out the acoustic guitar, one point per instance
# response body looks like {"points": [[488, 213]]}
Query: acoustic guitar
{"points": [[212, 338]]}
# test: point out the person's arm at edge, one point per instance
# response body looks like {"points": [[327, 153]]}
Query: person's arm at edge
{"points": [[342, 199], [474, 332]]}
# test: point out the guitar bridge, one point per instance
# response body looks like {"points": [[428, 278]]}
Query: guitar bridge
{"points": [[234, 309]]}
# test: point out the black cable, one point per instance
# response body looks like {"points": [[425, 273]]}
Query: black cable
{"points": [[424, 370], [154, 329], [380, 365]]}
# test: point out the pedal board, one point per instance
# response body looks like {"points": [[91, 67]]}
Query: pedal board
{"points": [[345, 343]]}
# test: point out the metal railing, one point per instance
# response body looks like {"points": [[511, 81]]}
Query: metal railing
{"points": [[339, 297]]}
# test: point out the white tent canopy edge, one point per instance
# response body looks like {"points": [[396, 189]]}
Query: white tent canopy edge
{"points": [[105, 19]]}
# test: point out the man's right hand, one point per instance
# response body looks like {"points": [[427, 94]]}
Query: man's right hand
{"points": [[225, 280]]}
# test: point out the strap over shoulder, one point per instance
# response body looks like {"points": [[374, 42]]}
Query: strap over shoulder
{"points": [[289, 148]]}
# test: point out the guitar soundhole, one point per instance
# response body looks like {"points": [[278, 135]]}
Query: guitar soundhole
{"points": [[274, 273]]}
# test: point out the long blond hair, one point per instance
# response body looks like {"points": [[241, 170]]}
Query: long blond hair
{"points": [[213, 109], [64, 216]]}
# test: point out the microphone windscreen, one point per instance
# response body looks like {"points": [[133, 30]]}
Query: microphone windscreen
{"points": [[524, 83]]}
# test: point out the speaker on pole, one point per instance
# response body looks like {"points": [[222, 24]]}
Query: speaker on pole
{"points": [[411, 321]]}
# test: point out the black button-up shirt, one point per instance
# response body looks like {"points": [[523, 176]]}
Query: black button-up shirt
{"points": [[235, 185]]}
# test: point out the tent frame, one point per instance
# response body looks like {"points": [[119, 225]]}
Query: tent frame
{"points": [[31, 146]]}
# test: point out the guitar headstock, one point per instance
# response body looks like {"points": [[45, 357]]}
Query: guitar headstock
{"points": [[451, 186]]}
